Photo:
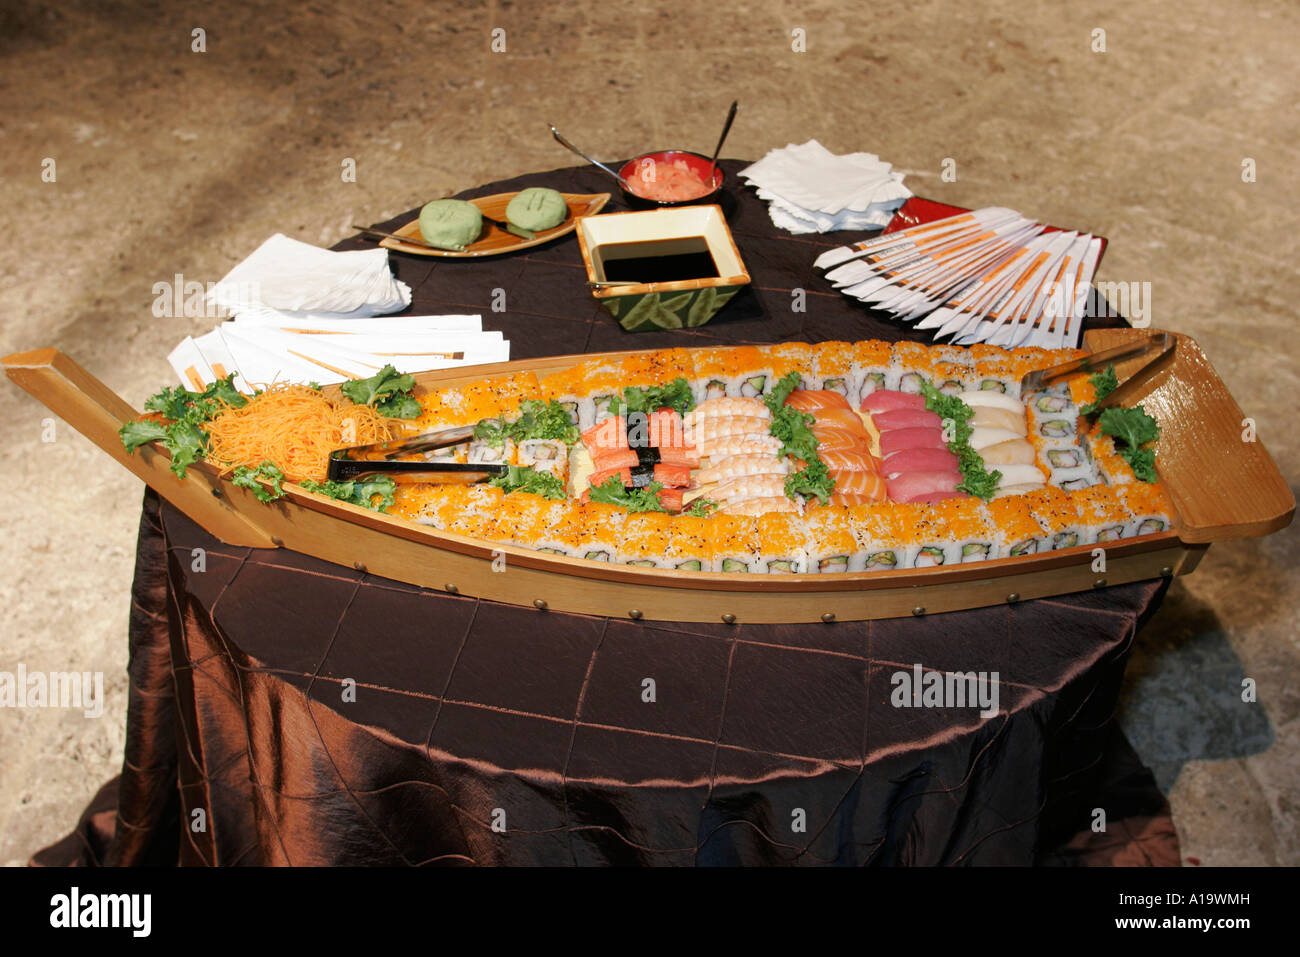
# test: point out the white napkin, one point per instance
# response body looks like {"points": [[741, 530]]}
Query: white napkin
{"points": [[811, 190], [285, 277]]}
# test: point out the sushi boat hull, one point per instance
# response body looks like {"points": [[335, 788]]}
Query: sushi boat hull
{"points": [[1200, 426]]}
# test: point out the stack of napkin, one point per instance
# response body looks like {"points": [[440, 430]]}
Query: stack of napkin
{"points": [[811, 190], [263, 351], [287, 278]]}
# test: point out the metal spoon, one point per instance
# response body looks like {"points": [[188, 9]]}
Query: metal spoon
{"points": [[569, 146], [726, 128]]}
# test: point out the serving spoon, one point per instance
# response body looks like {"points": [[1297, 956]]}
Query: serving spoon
{"points": [[569, 146], [726, 128]]}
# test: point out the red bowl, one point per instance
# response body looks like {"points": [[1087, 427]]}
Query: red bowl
{"points": [[697, 163]]}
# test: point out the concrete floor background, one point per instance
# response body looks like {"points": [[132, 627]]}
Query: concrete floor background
{"points": [[173, 161]]}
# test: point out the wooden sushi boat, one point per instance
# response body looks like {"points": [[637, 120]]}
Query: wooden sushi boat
{"points": [[1222, 482]]}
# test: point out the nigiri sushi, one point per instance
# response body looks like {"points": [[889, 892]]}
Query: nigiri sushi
{"points": [[897, 440], [738, 466], [910, 486], [919, 460], [886, 400], [811, 400], [906, 419]]}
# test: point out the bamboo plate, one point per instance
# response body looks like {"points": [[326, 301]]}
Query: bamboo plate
{"points": [[1221, 485], [496, 241]]}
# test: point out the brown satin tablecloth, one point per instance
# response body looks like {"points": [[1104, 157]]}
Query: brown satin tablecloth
{"points": [[284, 710]]}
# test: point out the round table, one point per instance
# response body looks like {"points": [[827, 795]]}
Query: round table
{"points": [[284, 710]]}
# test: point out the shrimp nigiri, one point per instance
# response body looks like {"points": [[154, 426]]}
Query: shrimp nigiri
{"points": [[749, 486], [759, 505], [727, 406], [738, 466]]}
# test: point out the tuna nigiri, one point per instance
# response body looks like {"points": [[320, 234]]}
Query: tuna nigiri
{"points": [[911, 486], [897, 440], [919, 460], [906, 419], [886, 400]]}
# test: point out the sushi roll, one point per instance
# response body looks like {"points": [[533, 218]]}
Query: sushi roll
{"points": [[1056, 513], [1016, 532], [996, 370], [1102, 514], [464, 510], [778, 360], [482, 452], [785, 543], [1148, 508], [872, 369], [909, 366], [878, 530], [735, 543], [970, 532], [1112, 466], [643, 540], [927, 538], [832, 546], [545, 455], [727, 370], [832, 370], [690, 545]]}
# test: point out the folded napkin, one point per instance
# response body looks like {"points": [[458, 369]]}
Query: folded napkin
{"points": [[809, 189], [285, 277]]}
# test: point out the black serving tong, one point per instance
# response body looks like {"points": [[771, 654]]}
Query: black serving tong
{"points": [[1164, 344], [380, 458]]}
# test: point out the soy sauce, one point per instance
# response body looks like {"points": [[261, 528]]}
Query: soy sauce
{"points": [[657, 260]]}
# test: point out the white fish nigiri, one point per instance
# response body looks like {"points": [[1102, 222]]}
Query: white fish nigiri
{"points": [[991, 398], [996, 418]]}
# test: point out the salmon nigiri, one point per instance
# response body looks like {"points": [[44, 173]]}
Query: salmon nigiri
{"points": [[847, 461], [811, 400], [868, 485], [845, 419], [838, 440]]}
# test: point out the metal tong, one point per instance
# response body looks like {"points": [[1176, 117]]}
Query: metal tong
{"points": [[1164, 342], [381, 458]]}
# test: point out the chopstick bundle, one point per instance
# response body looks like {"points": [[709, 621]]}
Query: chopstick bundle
{"points": [[988, 275]]}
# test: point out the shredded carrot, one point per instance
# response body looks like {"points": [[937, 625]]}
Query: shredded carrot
{"points": [[295, 428]]}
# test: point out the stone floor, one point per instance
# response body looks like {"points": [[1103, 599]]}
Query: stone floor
{"points": [[167, 160]]}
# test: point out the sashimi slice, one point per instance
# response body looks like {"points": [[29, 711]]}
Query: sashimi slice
{"points": [[887, 400], [898, 440], [919, 460], [847, 461], [910, 486], [906, 419], [810, 400]]}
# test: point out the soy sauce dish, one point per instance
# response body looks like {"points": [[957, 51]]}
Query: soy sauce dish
{"points": [[670, 178]]}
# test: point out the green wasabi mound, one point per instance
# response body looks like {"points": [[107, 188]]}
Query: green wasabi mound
{"points": [[537, 208], [450, 223]]}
